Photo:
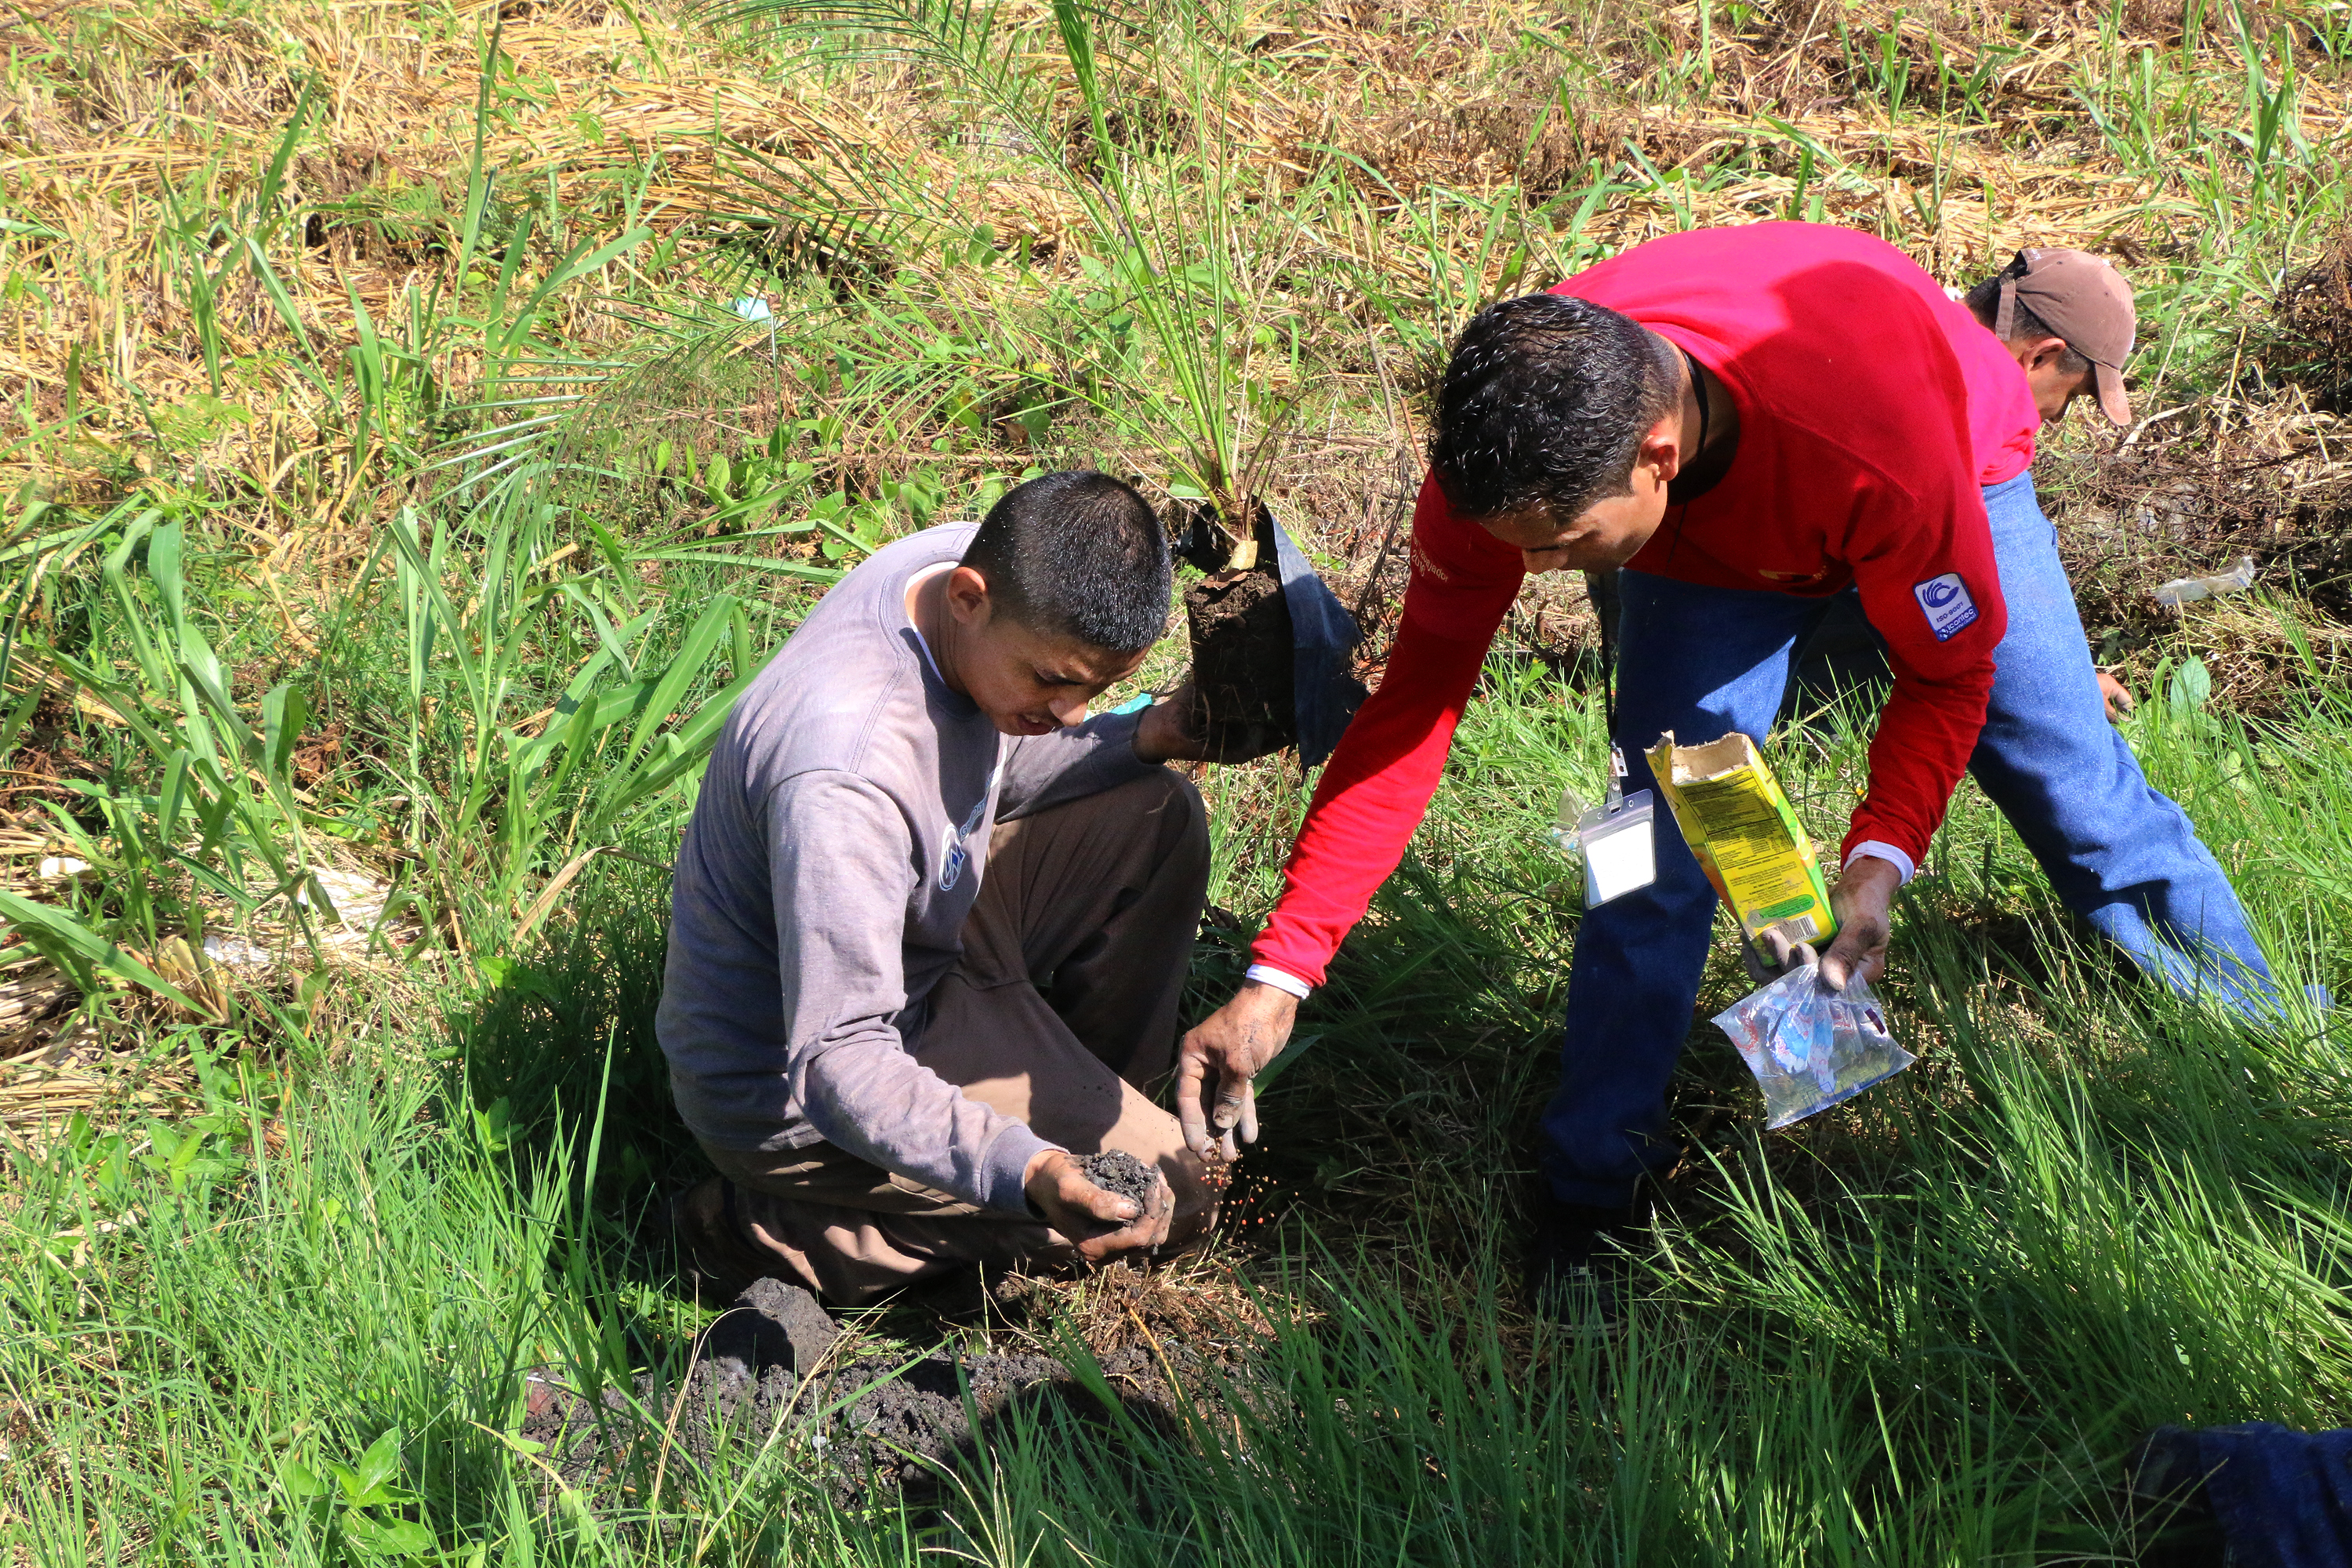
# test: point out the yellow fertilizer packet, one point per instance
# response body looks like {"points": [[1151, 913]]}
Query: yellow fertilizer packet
{"points": [[1750, 843]]}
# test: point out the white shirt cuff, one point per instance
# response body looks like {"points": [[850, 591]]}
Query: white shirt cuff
{"points": [[1886, 852], [1280, 979]]}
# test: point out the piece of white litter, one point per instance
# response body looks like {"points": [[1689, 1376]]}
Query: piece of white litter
{"points": [[57, 867], [753, 308], [2189, 590], [233, 950], [357, 898]]}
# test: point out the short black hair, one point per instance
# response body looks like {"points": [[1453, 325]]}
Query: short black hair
{"points": [[1984, 303], [1076, 554], [1547, 399]]}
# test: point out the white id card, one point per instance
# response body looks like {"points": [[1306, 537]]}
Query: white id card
{"points": [[1619, 846]]}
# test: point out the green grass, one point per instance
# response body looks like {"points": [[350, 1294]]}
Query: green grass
{"points": [[1924, 1328], [421, 523]]}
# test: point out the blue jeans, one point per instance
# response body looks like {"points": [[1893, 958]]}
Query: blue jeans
{"points": [[1704, 662]]}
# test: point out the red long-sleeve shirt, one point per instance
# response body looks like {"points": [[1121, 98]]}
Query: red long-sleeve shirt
{"points": [[1872, 408]]}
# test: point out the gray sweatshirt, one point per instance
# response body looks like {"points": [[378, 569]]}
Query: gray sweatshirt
{"points": [[836, 845]]}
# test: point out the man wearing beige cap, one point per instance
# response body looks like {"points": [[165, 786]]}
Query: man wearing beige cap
{"points": [[2067, 318], [2122, 855]]}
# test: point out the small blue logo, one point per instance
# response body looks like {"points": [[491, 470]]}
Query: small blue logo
{"points": [[954, 855], [1944, 602]]}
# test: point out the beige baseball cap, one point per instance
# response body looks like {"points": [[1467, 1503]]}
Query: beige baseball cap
{"points": [[2085, 301]]}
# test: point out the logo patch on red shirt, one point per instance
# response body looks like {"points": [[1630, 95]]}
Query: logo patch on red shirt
{"points": [[1944, 602]]}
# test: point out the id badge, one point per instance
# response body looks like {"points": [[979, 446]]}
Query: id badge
{"points": [[1621, 854], [1617, 840]]}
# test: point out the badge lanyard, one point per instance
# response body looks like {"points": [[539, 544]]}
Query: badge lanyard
{"points": [[1617, 837]]}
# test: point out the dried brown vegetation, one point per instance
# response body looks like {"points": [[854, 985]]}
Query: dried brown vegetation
{"points": [[140, 131]]}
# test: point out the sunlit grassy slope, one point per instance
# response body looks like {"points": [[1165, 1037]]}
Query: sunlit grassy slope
{"points": [[418, 419], [1926, 1329]]}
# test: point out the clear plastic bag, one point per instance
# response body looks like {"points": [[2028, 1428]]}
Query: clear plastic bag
{"points": [[1812, 1047], [2189, 590]]}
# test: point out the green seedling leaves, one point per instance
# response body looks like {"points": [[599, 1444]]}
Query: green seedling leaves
{"points": [[848, 530], [2192, 686], [82, 952], [401, 1538], [190, 1161], [494, 1126], [367, 1494], [369, 1483], [299, 1480]]}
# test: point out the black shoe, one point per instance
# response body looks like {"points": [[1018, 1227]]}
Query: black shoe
{"points": [[715, 1263], [1578, 1267]]}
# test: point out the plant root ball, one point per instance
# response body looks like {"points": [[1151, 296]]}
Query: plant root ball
{"points": [[1243, 657]]}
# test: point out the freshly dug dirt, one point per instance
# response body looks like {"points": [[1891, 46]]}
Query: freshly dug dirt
{"points": [[1242, 658], [879, 1439], [770, 1324], [1121, 1174], [865, 1424]]}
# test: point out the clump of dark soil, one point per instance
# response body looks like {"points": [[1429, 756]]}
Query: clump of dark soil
{"points": [[871, 1422], [896, 1418], [1121, 1174], [771, 1358], [770, 1324]]}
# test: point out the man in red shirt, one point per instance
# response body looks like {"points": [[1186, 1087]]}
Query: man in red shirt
{"points": [[1748, 421]]}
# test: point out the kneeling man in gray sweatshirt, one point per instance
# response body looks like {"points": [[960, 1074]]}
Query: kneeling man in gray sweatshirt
{"points": [[930, 924]]}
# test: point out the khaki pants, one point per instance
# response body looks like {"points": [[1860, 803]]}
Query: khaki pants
{"points": [[1062, 1013]]}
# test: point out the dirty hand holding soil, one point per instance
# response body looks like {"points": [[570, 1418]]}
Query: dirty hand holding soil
{"points": [[1861, 901], [1058, 1189], [1232, 1045]]}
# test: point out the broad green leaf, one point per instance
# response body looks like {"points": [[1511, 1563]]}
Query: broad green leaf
{"points": [[283, 712], [377, 1466], [63, 929], [401, 1538], [173, 797], [163, 571], [692, 656], [2192, 685], [298, 1480]]}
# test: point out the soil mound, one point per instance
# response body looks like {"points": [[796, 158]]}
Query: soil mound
{"points": [[872, 1423], [892, 1418], [770, 1324]]}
